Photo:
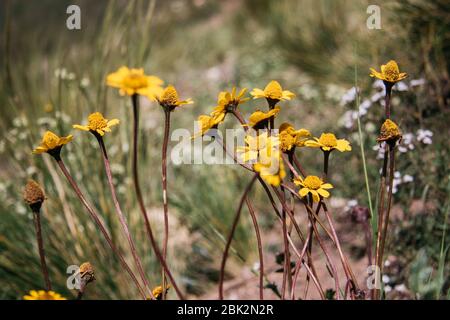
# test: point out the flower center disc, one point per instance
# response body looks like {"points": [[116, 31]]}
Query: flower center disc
{"points": [[312, 182], [328, 139]]}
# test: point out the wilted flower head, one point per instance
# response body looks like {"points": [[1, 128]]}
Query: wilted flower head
{"points": [[329, 142], [97, 124], [273, 92], [52, 144], [169, 99], [390, 73], [33, 195], [43, 295], [135, 81], [313, 185], [390, 132], [86, 273]]}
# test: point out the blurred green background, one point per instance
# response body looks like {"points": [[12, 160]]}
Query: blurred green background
{"points": [[53, 77]]}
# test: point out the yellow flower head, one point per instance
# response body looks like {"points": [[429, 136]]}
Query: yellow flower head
{"points": [[390, 132], [260, 119], [97, 124], [271, 171], [51, 143], [43, 295], [261, 148], [208, 122], [328, 142], [157, 292], [135, 81], [313, 185], [389, 73], [228, 101], [273, 92], [169, 98], [290, 138]]}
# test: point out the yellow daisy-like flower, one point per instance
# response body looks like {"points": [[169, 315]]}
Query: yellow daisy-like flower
{"points": [[169, 98], [313, 185], [290, 138], [51, 142], [135, 81], [272, 171], [260, 119], [328, 142], [273, 92], [97, 124], [208, 122], [389, 73], [260, 148], [43, 295], [390, 132], [157, 292], [228, 101]]}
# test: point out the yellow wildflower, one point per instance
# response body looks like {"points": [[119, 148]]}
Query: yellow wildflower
{"points": [[208, 122], [169, 98], [390, 132], [260, 119], [260, 148], [389, 73], [228, 101], [271, 171], [135, 81], [157, 292], [290, 138], [51, 142], [328, 142], [273, 92], [313, 185], [97, 124], [43, 295]]}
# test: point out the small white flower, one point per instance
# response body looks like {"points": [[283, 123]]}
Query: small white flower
{"points": [[400, 288], [424, 136], [378, 84], [349, 96], [85, 82], [401, 86], [417, 82], [407, 178], [386, 278]]}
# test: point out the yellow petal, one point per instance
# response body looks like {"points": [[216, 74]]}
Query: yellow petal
{"points": [[324, 193], [327, 186], [343, 145], [80, 127], [257, 93], [303, 192], [113, 122]]}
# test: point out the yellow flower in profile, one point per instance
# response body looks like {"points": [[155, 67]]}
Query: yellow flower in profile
{"points": [[290, 138], [271, 171], [228, 101], [390, 132], [43, 295], [389, 73], [208, 122], [328, 142], [51, 142], [260, 147], [97, 124], [169, 98], [313, 185], [273, 92], [157, 292], [134, 81], [260, 119]]}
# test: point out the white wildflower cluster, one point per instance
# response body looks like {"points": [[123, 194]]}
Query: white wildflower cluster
{"points": [[349, 97], [399, 180], [63, 74]]}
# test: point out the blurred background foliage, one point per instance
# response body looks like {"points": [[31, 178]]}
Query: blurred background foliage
{"points": [[53, 77]]}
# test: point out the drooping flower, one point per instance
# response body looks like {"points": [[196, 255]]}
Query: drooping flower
{"points": [[259, 148], [291, 138], [169, 99], [208, 122], [390, 73], [135, 81], [328, 142], [229, 101], [97, 124], [51, 143], [271, 171], [273, 92], [390, 132], [260, 119], [43, 295], [313, 185]]}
